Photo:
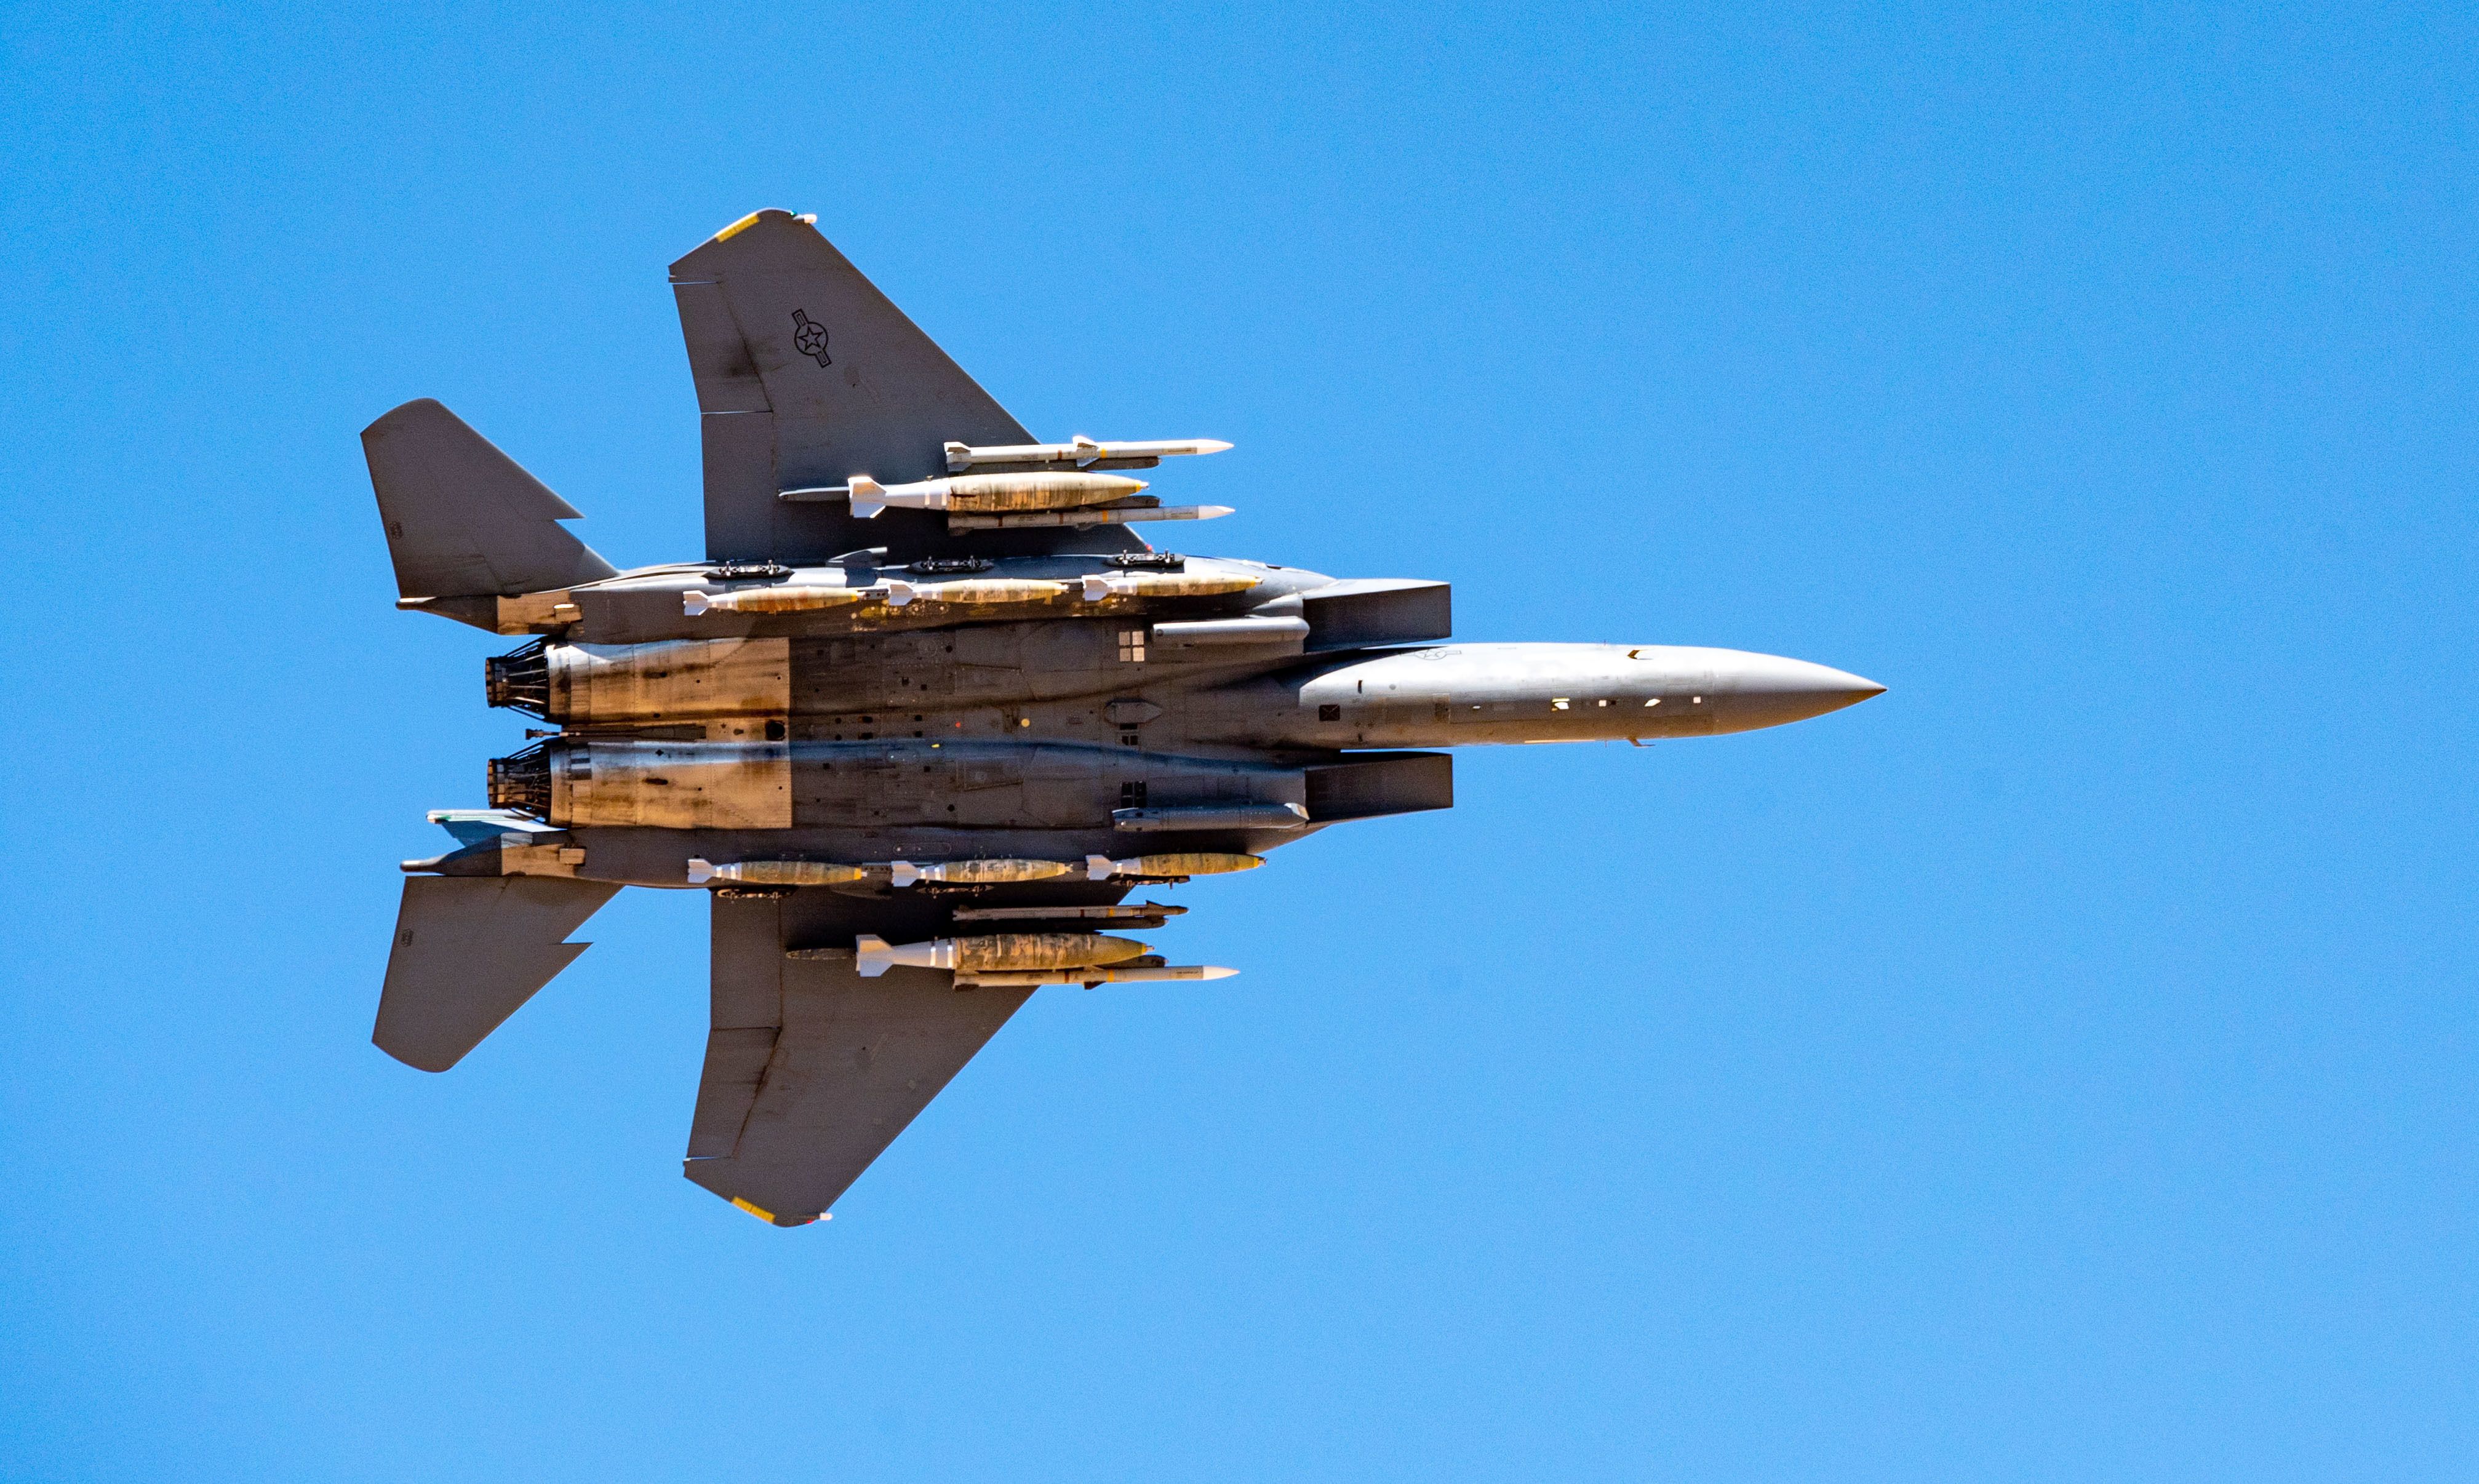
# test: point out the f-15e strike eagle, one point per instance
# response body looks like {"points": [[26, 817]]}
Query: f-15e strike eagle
{"points": [[922, 720]]}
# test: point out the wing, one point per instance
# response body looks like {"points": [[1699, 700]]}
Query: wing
{"points": [[807, 375], [810, 1069], [470, 951]]}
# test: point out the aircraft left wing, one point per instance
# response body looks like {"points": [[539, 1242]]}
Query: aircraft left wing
{"points": [[810, 1069]]}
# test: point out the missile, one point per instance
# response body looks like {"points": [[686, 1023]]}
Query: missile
{"points": [[903, 873], [874, 956], [987, 593], [1156, 911], [1100, 586], [1095, 515], [1210, 816], [1184, 864], [1026, 979], [774, 873], [1239, 630], [797, 598], [894, 593], [980, 493], [1079, 451]]}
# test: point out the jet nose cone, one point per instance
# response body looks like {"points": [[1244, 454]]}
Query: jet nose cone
{"points": [[1771, 690]]}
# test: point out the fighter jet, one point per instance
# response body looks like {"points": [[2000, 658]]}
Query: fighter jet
{"points": [[924, 718]]}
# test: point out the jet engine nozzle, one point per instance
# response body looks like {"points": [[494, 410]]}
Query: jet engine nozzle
{"points": [[520, 681]]}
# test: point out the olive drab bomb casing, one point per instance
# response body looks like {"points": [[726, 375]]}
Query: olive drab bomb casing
{"points": [[922, 718]]}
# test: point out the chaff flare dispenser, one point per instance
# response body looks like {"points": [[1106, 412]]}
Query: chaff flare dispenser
{"points": [[923, 722]]}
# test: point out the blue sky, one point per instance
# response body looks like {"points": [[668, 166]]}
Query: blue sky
{"points": [[2061, 1067]]}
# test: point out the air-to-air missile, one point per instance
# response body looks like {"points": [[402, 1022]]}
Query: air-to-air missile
{"points": [[1082, 451], [925, 714]]}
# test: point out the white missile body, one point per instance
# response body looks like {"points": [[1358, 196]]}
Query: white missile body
{"points": [[1079, 451]]}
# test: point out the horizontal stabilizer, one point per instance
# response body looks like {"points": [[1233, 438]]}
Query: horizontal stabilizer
{"points": [[472, 826], [463, 519], [470, 951]]}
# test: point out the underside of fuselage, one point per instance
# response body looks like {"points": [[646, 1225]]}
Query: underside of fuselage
{"points": [[925, 718]]}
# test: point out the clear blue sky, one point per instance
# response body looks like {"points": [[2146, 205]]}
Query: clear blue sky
{"points": [[2060, 1068]]}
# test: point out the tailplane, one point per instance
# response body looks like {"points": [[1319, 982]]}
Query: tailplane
{"points": [[470, 951], [463, 519]]}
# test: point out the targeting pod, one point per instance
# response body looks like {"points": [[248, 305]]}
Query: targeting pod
{"points": [[1182, 863]]}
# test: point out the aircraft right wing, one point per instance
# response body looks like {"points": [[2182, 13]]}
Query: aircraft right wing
{"points": [[807, 374], [810, 1069]]}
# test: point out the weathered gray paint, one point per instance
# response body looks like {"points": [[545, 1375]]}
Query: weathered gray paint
{"points": [[812, 1071], [914, 744], [468, 952], [462, 519]]}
